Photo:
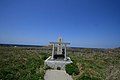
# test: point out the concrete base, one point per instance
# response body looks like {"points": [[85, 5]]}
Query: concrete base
{"points": [[55, 63]]}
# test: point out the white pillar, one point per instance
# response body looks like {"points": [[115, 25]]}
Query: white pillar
{"points": [[58, 49], [53, 52], [65, 53], [61, 48]]}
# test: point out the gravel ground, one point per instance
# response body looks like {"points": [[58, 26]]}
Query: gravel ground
{"points": [[57, 75]]}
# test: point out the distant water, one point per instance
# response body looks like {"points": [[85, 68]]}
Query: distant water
{"points": [[20, 45]]}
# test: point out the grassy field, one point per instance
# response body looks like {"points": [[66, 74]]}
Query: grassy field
{"points": [[23, 64], [97, 66]]}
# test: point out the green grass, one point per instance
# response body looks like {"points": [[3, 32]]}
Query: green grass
{"points": [[72, 69], [97, 66], [21, 64]]}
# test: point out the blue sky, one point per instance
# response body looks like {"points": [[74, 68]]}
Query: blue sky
{"points": [[83, 23]]}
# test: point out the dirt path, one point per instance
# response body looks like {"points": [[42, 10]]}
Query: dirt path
{"points": [[57, 75]]}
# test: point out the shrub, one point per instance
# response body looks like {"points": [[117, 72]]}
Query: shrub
{"points": [[72, 69]]}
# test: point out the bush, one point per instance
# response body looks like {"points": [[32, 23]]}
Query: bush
{"points": [[72, 69]]}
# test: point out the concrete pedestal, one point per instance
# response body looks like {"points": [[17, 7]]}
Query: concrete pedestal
{"points": [[55, 63]]}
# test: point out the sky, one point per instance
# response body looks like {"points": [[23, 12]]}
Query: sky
{"points": [[83, 23]]}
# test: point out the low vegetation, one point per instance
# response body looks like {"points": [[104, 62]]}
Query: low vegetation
{"points": [[21, 64], [97, 66], [72, 69]]}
